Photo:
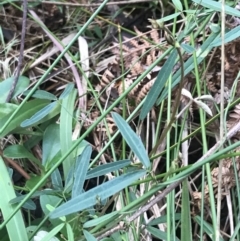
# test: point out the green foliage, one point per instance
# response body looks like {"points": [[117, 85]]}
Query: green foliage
{"points": [[132, 139], [7, 193], [46, 135], [6, 84]]}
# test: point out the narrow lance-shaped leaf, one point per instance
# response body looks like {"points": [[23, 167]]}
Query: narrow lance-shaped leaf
{"points": [[80, 172], [228, 37], [51, 235], [66, 121], [70, 232], [57, 180], [41, 94], [101, 192], [96, 221], [217, 6], [66, 91], [39, 115], [51, 143], [16, 228], [132, 139], [19, 151], [28, 110], [5, 86], [88, 236], [107, 168], [178, 4], [158, 85]]}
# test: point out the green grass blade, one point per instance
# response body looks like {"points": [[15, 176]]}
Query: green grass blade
{"points": [[15, 227], [66, 120], [186, 229]]}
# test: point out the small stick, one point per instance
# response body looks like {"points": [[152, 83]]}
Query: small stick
{"points": [[20, 59]]}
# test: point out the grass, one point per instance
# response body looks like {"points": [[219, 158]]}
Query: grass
{"points": [[118, 133]]}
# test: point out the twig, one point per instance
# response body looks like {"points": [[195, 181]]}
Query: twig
{"points": [[15, 166], [20, 59], [18, 168]]}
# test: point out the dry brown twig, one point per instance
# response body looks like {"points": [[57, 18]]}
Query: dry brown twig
{"points": [[20, 59]]}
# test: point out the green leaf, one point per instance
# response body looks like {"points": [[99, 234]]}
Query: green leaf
{"points": [[6, 108], [158, 85], [66, 120], [70, 233], [217, 6], [178, 4], [163, 219], [36, 194], [80, 172], [107, 168], [103, 191], [41, 94], [201, 53], [67, 91], [28, 109], [6, 85], [186, 227], [158, 233], [16, 228], [57, 180], [33, 181], [188, 48], [4, 235], [98, 31], [69, 181], [88, 236], [54, 201], [132, 139], [39, 115], [228, 37], [29, 205], [168, 17], [53, 232], [104, 218], [208, 228], [51, 144], [19, 151]]}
